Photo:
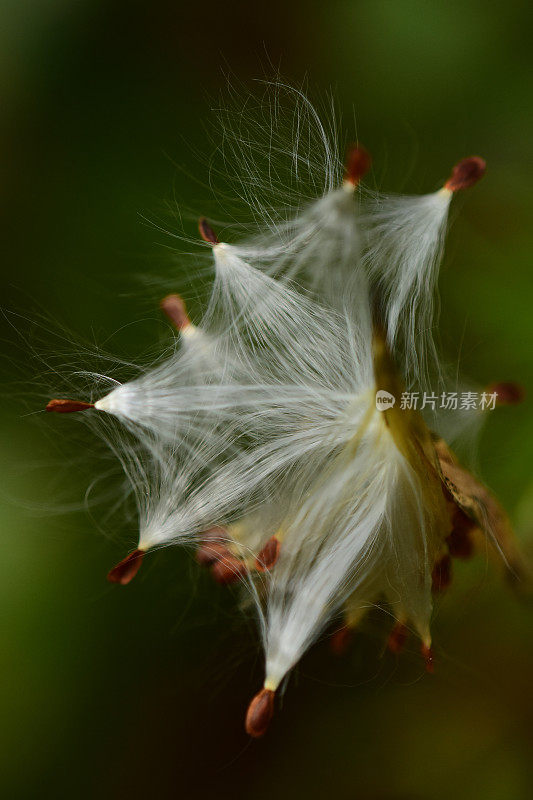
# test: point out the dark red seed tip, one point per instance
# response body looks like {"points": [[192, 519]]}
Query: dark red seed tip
{"points": [[260, 712], [460, 544], [228, 570], [442, 574], [206, 231], [427, 655], [339, 641], [268, 556], [126, 569], [213, 546], [211, 552], [176, 311], [67, 406], [397, 638], [358, 162], [508, 393], [466, 173]]}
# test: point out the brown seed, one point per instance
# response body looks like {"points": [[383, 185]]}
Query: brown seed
{"points": [[206, 231], [442, 574], [67, 406], [126, 569], [358, 162], [268, 556], [211, 552], [397, 638], [339, 641], [228, 570], [259, 714], [466, 173], [508, 393], [175, 309], [427, 655], [213, 546], [459, 541]]}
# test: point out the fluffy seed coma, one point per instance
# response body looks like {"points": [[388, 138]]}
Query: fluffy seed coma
{"points": [[260, 713], [392, 251], [124, 572], [466, 173], [64, 406]]}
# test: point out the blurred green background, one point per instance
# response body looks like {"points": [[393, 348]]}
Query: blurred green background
{"points": [[141, 692]]}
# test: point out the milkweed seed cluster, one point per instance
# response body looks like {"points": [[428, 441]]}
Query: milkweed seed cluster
{"points": [[261, 440]]}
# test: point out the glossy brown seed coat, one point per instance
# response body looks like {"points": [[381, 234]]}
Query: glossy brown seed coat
{"points": [[126, 569], [67, 406], [459, 541], [427, 655], [228, 570], [509, 393], [268, 556], [206, 231], [339, 641], [397, 638], [358, 162], [175, 309], [466, 173], [211, 552], [259, 714]]}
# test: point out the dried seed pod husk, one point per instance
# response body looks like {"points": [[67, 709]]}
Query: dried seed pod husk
{"points": [[480, 506]]}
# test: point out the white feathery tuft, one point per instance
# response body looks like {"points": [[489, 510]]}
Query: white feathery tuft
{"points": [[405, 246], [262, 425]]}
